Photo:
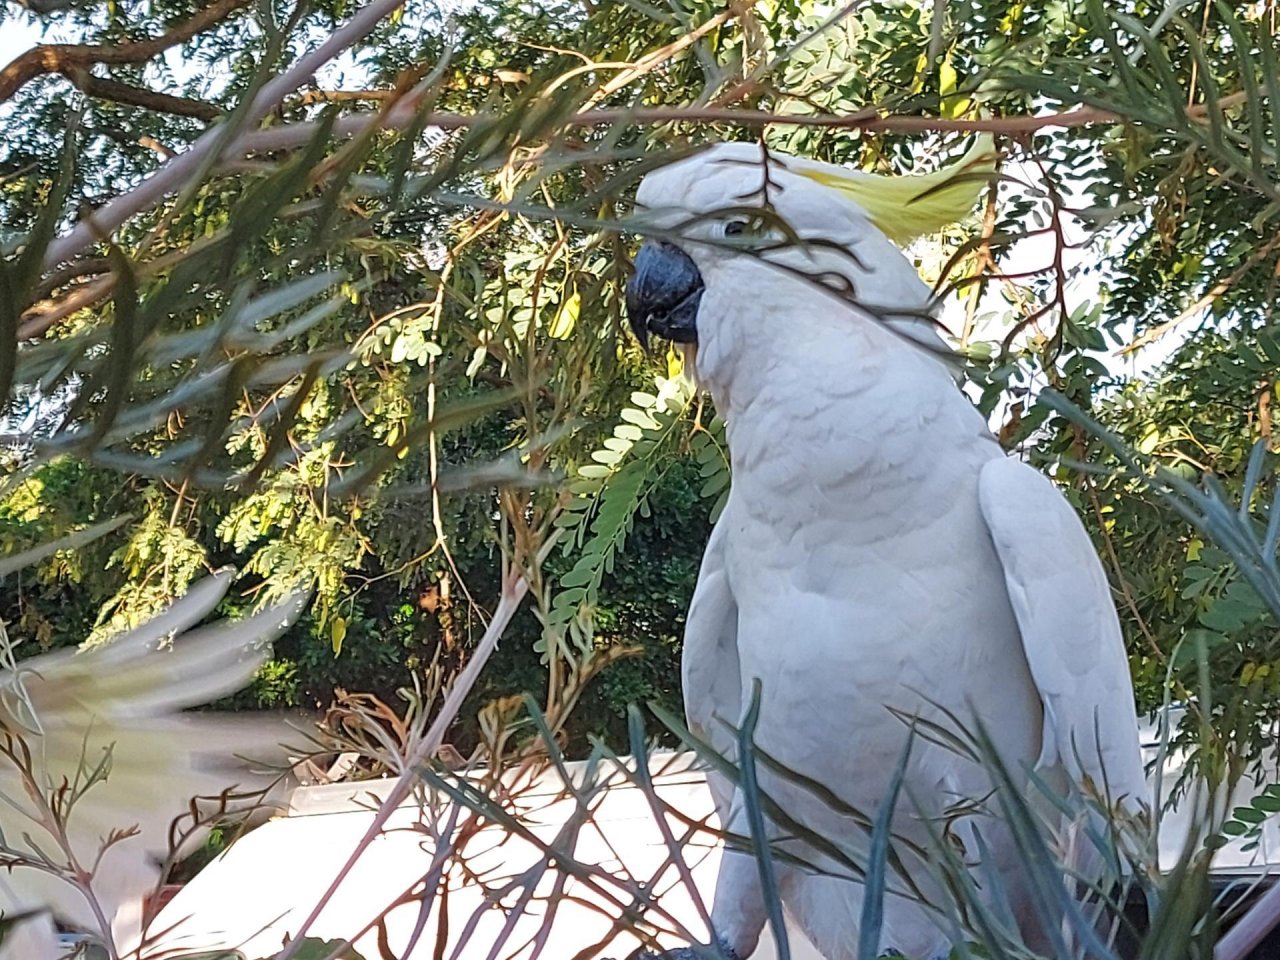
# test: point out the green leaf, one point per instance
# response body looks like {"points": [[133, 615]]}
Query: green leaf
{"points": [[313, 948], [1227, 615], [1249, 814], [579, 576], [715, 484]]}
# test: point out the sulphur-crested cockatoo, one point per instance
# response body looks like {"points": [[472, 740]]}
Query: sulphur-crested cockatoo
{"points": [[66, 713], [879, 556]]}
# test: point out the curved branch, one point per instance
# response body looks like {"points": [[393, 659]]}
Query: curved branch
{"points": [[68, 58], [311, 97], [73, 271], [102, 88], [45, 6]]}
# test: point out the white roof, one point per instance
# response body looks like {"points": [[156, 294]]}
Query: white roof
{"points": [[268, 882], [260, 890]]}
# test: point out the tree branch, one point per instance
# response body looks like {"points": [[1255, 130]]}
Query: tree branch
{"points": [[104, 89], [344, 96], [173, 174], [106, 220], [404, 112], [73, 271], [125, 138], [45, 6], [1221, 287], [66, 58]]}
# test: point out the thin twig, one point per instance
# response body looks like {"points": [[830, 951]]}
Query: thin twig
{"points": [[1122, 582], [1193, 311]]}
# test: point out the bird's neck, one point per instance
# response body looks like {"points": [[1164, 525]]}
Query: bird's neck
{"points": [[750, 366]]}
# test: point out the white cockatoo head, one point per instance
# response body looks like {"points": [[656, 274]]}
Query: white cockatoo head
{"points": [[745, 237]]}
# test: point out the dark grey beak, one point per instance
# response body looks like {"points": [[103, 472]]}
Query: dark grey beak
{"points": [[663, 295]]}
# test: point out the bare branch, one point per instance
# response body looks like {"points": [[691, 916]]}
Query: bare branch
{"points": [[45, 6], [68, 58], [871, 119], [403, 113], [129, 95], [1221, 287], [74, 271], [344, 96]]}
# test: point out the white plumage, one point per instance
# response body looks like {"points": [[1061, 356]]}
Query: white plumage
{"points": [[878, 551], [124, 701]]}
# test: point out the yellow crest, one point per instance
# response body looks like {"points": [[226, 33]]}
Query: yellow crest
{"points": [[906, 207]]}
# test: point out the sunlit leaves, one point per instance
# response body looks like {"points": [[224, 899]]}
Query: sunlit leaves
{"points": [[607, 497]]}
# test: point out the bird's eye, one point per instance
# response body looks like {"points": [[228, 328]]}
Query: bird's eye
{"points": [[735, 228]]}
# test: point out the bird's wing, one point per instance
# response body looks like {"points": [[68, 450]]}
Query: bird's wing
{"points": [[122, 703], [1069, 628], [709, 663]]}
